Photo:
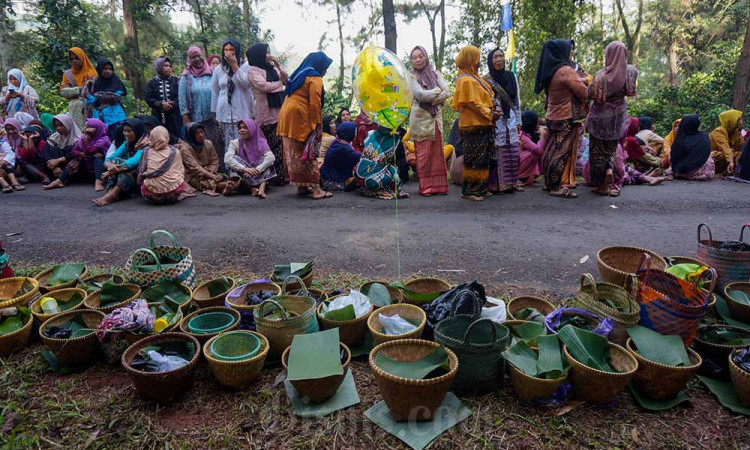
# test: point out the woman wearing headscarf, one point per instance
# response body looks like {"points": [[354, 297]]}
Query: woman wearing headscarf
{"points": [[344, 116], [13, 128], [231, 98], [250, 160], [426, 123], [726, 141], [329, 135], [267, 80], [201, 161], [565, 92], [623, 175], [364, 126], [637, 151], [505, 157], [161, 174], [86, 156], [457, 157], [8, 181], [75, 84], [30, 155], [161, 95], [107, 93], [47, 119], [213, 61], [301, 124], [531, 148], [18, 96], [122, 165], [194, 96], [473, 99], [607, 121], [60, 148], [646, 133], [337, 172], [376, 169], [668, 141], [690, 157]]}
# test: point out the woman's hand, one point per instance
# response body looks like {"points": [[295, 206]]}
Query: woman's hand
{"points": [[106, 175], [232, 61], [251, 172]]}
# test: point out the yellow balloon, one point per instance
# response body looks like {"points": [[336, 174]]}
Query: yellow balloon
{"points": [[381, 84]]}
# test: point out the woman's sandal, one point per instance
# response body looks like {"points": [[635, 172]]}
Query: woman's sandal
{"points": [[614, 192], [472, 198], [19, 187], [325, 195], [7, 190], [565, 193]]}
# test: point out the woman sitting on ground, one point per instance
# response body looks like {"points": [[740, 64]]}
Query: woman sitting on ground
{"points": [[646, 134], [329, 135], [532, 148], [60, 148], [122, 165], [8, 180], [636, 149], [249, 160], [337, 172], [668, 141], [161, 174], [691, 152], [201, 161], [87, 156], [30, 155], [376, 170], [364, 126], [726, 141], [623, 175]]}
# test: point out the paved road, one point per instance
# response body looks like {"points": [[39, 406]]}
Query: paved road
{"points": [[527, 239]]}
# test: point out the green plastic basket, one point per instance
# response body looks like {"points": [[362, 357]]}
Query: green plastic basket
{"points": [[210, 323], [235, 346]]}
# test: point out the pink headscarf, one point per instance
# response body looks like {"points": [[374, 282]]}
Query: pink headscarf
{"points": [[18, 140], [99, 143], [203, 71], [252, 150], [615, 66]]}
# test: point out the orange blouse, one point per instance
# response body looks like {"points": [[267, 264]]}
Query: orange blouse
{"points": [[302, 112]]}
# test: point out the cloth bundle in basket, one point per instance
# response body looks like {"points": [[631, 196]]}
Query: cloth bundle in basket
{"points": [[731, 264], [146, 268], [670, 305], [478, 344]]}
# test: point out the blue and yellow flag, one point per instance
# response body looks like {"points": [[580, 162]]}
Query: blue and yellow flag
{"points": [[506, 25]]}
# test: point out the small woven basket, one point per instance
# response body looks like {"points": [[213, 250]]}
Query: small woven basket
{"points": [[237, 374], [717, 353], [93, 300], [425, 285], [405, 311], [591, 294], [16, 340], [203, 337], [741, 382], [202, 296], [351, 332], [253, 288], [731, 266], [44, 275], [62, 297], [739, 311], [617, 263], [395, 294], [597, 386], [320, 389], [291, 316], [74, 351], [659, 381], [527, 301], [9, 287], [529, 388]]}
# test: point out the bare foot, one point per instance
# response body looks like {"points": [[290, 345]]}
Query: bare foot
{"points": [[254, 192], [98, 186], [211, 193], [54, 185], [103, 200], [653, 181], [473, 198], [262, 195]]}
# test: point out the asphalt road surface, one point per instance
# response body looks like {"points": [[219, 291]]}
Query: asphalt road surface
{"points": [[525, 239]]}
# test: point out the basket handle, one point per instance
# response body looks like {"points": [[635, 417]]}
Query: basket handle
{"points": [[262, 306], [742, 231], [710, 236], [476, 309], [164, 232], [711, 288], [303, 288], [645, 259], [592, 282], [631, 287], [137, 265], [471, 327]]}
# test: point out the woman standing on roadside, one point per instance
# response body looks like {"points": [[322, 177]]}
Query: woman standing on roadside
{"points": [[18, 96], [194, 96], [75, 84], [161, 95], [107, 93]]}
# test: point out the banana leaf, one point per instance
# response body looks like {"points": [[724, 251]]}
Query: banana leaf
{"points": [[9, 324], [718, 335], [114, 293], [415, 296], [314, 356], [726, 316], [523, 358], [547, 364], [378, 294], [550, 356], [341, 315], [654, 346], [530, 314], [657, 405], [65, 273], [587, 348], [527, 332], [726, 394], [413, 370], [219, 286], [166, 307], [74, 300], [25, 288], [740, 296], [283, 271], [171, 289]]}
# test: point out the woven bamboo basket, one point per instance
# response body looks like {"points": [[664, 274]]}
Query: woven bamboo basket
{"points": [[44, 275], [237, 374], [717, 353], [203, 298], [596, 386], [674, 260], [74, 351], [8, 288], [102, 277], [592, 319], [425, 285], [16, 340], [320, 389], [205, 337], [412, 399], [253, 288], [405, 311], [741, 382], [526, 301], [738, 310], [731, 266], [93, 300], [294, 285], [591, 294], [617, 263], [659, 381], [297, 315], [351, 332], [396, 295], [162, 387], [184, 306], [62, 296], [529, 388]]}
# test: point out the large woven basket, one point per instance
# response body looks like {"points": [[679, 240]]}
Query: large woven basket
{"points": [[409, 399], [320, 389], [739, 311], [237, 374], [16, 340], [529, 388], [296, 315], [8, 288], [717, 353], [590, 294], [741, 382], [253, 288], [203, 298], [44, 275], [206, 336], [659, 381], [395, 294], [406, 312], [526, 301], [617, 263], [730, 266], [162, 387], [424, 285], [674, 260], [93, 300], [351, 332], [597, 386], [294, 283], [75, 351], [63, 297]]}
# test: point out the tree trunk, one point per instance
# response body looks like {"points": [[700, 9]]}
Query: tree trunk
{"points": [[133, 53], [389, 25], [198, 11], [246, 16], [672, 58], [5, 29], [742, 79], [112, 9], [441, 48], [340, 81], [632, 39]]}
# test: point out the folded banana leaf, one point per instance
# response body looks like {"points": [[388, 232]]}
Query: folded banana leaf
{"points": [[65, 273], [740, 296], [413, 370], [283, 271], [587, 348], [378, 294], [114, 293], [654, 346], [171, 289]]}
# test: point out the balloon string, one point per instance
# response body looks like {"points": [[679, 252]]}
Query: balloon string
{"points": [[398, 228]]}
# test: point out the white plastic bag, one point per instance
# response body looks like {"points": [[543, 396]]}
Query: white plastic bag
{"points": [[357, 299], [395, 324], [166, 363], [495, 313]]}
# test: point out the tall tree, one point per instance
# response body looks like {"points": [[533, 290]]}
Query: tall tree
{"points": [[389, 25], [742, 79], [435, 15], [632, 35], [6, 28], [133, 67]]}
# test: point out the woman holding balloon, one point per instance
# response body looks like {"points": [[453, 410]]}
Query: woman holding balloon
{"points": [[426, 124]]}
